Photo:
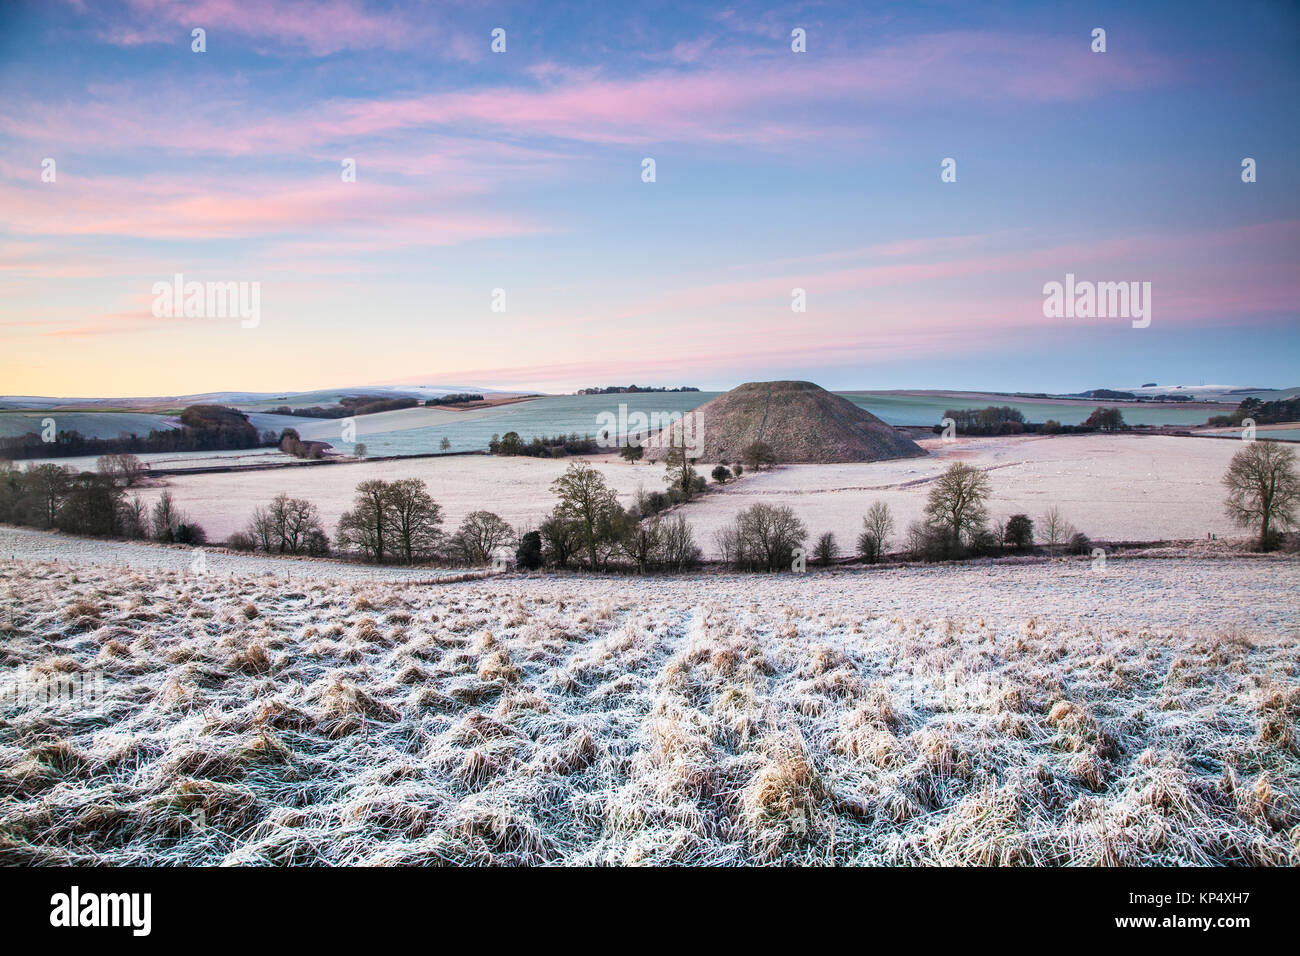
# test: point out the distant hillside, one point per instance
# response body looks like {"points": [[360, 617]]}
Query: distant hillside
{"points": [[802, 422]]}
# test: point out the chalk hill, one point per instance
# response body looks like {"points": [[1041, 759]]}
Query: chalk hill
{"points": [[802, 422]]}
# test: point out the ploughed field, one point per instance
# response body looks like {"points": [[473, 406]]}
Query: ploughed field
{"points": [[1049, 713]]}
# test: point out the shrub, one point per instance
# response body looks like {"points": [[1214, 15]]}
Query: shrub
{"points": [[758, 455], [721, 474], [1080, 543], [241, 541], [529, 553], [190, 533], [984, 543], [1019, 532], [737, 469], [826, 550]]}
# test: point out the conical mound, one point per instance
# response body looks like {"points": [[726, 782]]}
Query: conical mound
{"points": [[800, 421]]}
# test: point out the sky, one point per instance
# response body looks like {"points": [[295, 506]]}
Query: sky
{"points": [[500, 230]]}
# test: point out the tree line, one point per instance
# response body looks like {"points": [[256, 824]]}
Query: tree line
{"points": [[1005, 420], [91, 503], [203, 428], [588, 528]]}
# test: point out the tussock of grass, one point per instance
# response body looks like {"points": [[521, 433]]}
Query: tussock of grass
{"points": [[494, 723]]}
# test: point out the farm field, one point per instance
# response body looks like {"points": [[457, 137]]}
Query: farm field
{"points": [[1128, 487], [1011, 714]]}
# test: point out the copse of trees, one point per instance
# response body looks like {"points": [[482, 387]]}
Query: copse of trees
{"points": [[987, 421], [589, 526], [291, 444], [392, 521], [1263, 488], [122, 467], [169, 525], [555, 446], [203, 428], [349, 407], [1005, 420], [89, 503], [1260, 412], [286, 526], [762, 538], [1105, 419], [454, 398]]}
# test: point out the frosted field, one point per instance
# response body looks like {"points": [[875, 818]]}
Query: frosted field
{"points": [[518, 489], [193, 460], [991, 714], [1121, 487], [1113, 487], [89, 424]]}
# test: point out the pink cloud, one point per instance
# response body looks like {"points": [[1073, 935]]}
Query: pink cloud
{"points": [[749, 102], [319, 27], [170, 209]]}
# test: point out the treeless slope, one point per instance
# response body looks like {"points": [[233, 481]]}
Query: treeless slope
{"points": [[802, 422]]}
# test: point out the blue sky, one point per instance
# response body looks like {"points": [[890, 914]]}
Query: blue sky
{"points": [[521, 171]]}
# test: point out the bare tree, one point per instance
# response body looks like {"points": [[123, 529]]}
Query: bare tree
{"points": [[123, 467], [758, 455], [957, 505], [677, 548], [561, 538], [47, 486], [415, 519], [1055, 529], [1263, 489], [480, 535], [727, 540], [289, 525], [641, 543], [166, 519], [365, 526], [680, 475], [586, 499], [134, 518], [877, 526]]}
